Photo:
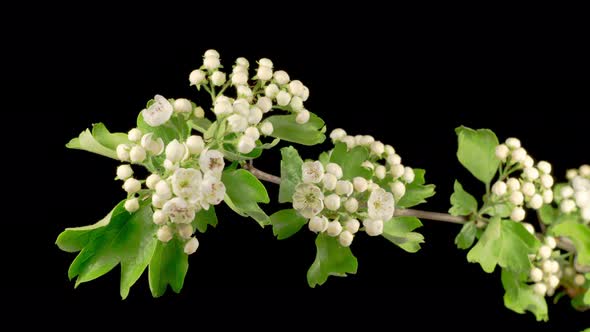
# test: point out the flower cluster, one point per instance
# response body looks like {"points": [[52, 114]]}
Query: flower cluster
{"points": [[335, 205], [546, 271], [532, 188], [574, 197]]}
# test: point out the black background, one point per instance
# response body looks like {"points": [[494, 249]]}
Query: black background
{"points": [[408, 85]]}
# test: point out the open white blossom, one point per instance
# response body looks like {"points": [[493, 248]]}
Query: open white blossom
{"points": [[186, 183], [178, 210], [212, 191], [308, 200], [381, 205], [312, 172], [159, 112], [211, 161]]}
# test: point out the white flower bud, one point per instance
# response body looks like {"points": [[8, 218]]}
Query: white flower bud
{"points": [[182, 105], [134, 135], [360, 184], [302, 117], [175, 151], [528, 162], [344, 187], [398, 189], [519, 155], [123, 152], [157, 201], [352, 225], [131, 185], [409, 175], [218, 78], [585, 170], [137, 154], [255, 115], [397, 170], [550, 241], [264, 73], [296, 88], [373, 227], [191, 246], [380, 172], [389, 150], [585, 213], [305, 94], [281, 77], [337, 134], [571, 173], [318, 224], [567, 192], [513, 143], [296, 103], [237, 123], [531, 173], [536, 201], [582, 198], [546, 181], [530, 228], [246, 144], [184, 230], [544, 167], [345, 238], [266, 128], [567, 206], [334, 228], [366, 140], [517, 214], [195, 144], [124, 172], [351, 205], [197, 77], [332, 202], [154, 146], [334, 169], [264, 103], [377, 148], [252, 132], [283, 98], [163, 189], [349, 141], [579, 280], [242, 107], [516, 198], [211, 54], [528, 189], [547, 266], [536, 274], [239, 78], [131, 205], [502, 152], [544, 252], [499, 188], [271, 91], [554, 267], [547, 196], [170, 166], [540, 289], [211, 63], [329, 181], [553, 281], [513, 184], [222, 106], [159, 217]]}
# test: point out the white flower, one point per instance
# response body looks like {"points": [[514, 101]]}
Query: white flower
{"points": [[528, 189], [305, 94], [242, 62], [308, 200], [123, 152], [131, 205], [296, 103], [170, 166], [159, 218], [585, 170], [547, 196], [513, 143], [585, 213], [175, 151], [237, 123], [351, 205], [283, 98], [394, 159], [344, 187], [255, 115], [163, 189], [186, 183], [360, 184], [281, 77], [159, 112], [513, 184], [242, 107], [502, 152], [246, 144], [296, 88], [264, 103], [197, 77], [352, 225], [544, 167], [222, 106], [178, 211], [195, 144], [349, 141], [312, 172], [182, 105], [154, 146], [134, 135], [211, 63], [211, 53], [380, 172], [337, 134], [516, 198], [164, 233], [266, 128], [553, 281], [211, 161], [218, 78], [329, 181], [579, 280], [528, 161], [550, 241], [243, 91], [567, 192], [367, 140], [408, 175], [544, 252], [381, 204], [332, 202], [345, 238], [131, 185], [158, 201], [239, 78], [389, 150], [334, 169], [271, 91], [334, 228], [318, 224], [252, 132], [212, 190], [124, 172], [519, 155], [377, 148], [531, 173], [546, 181], [530, 228], [398, 189], [536, 274], [581, 184], [536, 201], [499, 188], [397, 170], [571, 173], [517, 214], [184, 230], [373, 227], [264, 73], [567, 206], [137, 154], [540, 289]]}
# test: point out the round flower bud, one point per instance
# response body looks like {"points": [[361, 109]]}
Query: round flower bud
{"points": [[184, 230], [329, 181], [137, 154], [239, 78], [567, 206], [123, 152], [398, 189], [264, 62], [170, 166], [366, 140], [502, 152], [182, 105], [281, 77], [344, 187], [513, 143], [154, 146], [195, 144], [517, 214], [585, 170], [237, 123], [283, 98], [547, 266], [528, 189], [255, 115], [218, 78], [579, 280], [302, 117], [513, 184], [266, 128], [163, 189], [377, 148], [544, 167], [585, 213], [373, 227], [409, 175], [337, 134], [547, 196], [252, 132], [222, 106], [368, 165], [131, 185], [530, 228], [540, 289], [553, 281], [246, 144], [318, 224], [131, 205], [571, 173], [536, 274], [124, 172], [582, 198], [531, 173], [397, 170], [159, 217], [264, 73], [499, 188], [191, 246], [389, 150], [332, 202], [296, 88], [244, 91], [211, 63], [551, 242], [296, 103], [380, 172], [345, 238], [516, 198], [211, 54], [544, 252], [134, 135], [197, 77], [567, 192], [264, 103], [360, 184], [175, 151], [271, 91], [519, 155], [554, 267], [528, 162], [352, 225], [546, 181], [351, 205], [334, 228], [305, 94], [158, 201], [334, 169], [536, 201]]}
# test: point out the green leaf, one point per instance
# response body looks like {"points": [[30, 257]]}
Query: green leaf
{"points": [[350, 161], [505, 243], [168, 266], [75, 238], [416, 192], [175, 128], [463, 203], [286, 222], [291, 164], [477, 152], [286, 128], [243, 193], [399, 231], [127, 239], [548, 214], [466, 236], [520, 297], [331, 259], [99, 141], [204, 218], [580, 236]]}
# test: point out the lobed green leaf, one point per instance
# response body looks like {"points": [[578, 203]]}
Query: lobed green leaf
{"points": [[332, 259], [477, 152], [399, 231], [310, 133], [286, 222]]}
